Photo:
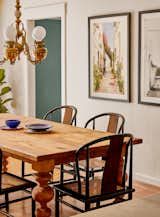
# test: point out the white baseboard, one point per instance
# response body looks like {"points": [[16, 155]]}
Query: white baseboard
{"points": [[147, 179]]}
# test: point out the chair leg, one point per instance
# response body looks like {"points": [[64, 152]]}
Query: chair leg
{"points": [[22, 169], [7, 202], [87, 206], [33, 208], [130, 196], [74, 176], [61, 173], [5, 214], [92, 173], [98, 204], [56, 203]]}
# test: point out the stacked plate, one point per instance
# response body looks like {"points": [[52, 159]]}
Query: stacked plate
{"points": [[38, 128]]}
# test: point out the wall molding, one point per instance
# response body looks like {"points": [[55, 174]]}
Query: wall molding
{"points": [[39, 3], [147, 179]]}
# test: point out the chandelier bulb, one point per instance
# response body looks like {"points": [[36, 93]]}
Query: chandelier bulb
{"points": [[39, 33], [10, 33], [16, 41]]}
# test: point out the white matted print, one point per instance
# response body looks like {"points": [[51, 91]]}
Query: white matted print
{"points": [[149, 57], [109, 57]]}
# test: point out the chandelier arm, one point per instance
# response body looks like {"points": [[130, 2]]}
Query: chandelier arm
{"points": [[18, 42], [28, 55]]}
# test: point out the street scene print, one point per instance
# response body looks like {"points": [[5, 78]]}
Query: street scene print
{"points": [[109, 57]]}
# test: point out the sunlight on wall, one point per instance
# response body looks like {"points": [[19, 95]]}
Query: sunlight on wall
{"points": [[0, 18]]}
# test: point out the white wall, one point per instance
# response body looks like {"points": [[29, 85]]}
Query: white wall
{"points": [[14, 73], [0, 22], [141, 120]]}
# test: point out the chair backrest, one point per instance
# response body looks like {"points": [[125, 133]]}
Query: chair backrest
{"points": [[69, 114], [115, 123], [116, 148]]}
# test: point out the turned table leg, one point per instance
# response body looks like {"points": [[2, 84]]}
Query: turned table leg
{"points": [[43, 193]]}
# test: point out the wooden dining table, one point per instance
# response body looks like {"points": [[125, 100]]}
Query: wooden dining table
{"points": [[45, 150]]}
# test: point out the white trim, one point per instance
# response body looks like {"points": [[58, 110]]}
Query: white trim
{"points": [[30, 14], [29, 3], [147, 179]]}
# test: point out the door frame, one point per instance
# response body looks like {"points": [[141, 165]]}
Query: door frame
{"points": [[30, 14]]}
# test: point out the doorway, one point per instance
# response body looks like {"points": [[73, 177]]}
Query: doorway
{"points": [[42, 11], [48, 73]]}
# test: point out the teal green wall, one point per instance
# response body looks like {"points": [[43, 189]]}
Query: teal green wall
{"points": [[48, 73]]}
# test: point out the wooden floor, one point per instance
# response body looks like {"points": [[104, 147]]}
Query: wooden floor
{"points": [[23, 209]]}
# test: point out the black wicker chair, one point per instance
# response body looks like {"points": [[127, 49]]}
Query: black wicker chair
{"points": [[69, 117], [111, 186], [10, 183], [68, 114], [114, 123]]}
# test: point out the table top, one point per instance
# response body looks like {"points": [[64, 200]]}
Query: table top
{"points": [[64, 140], [148, 206]]}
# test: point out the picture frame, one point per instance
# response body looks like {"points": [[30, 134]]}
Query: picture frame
{"points": [[109, 56], [149, 57]]}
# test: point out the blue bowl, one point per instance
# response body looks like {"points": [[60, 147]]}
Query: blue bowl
{"points": [[12, 123]]}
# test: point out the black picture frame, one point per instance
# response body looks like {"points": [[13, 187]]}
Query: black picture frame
{"points": [[148, 67], [117, 86]]}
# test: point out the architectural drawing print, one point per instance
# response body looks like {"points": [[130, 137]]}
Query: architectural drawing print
{"points": [[149, 58]]}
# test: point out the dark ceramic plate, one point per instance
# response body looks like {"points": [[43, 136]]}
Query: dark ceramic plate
{"points": [[38, 127], [38, 131]]}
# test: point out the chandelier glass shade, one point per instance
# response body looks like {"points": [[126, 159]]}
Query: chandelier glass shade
{"points": [[16, 42]]}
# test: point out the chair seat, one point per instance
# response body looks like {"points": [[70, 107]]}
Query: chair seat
{"points": [[3, 213], [93, 163], [10, 182], [94, 186]]}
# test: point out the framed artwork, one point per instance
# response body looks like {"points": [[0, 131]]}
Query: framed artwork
{"points": [[149, 57], [109, 57]]}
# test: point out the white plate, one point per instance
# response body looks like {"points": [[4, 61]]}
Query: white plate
{"points": [[8, 128]]}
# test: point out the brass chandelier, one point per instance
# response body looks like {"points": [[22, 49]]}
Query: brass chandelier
{"points": [[16, 41]]}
